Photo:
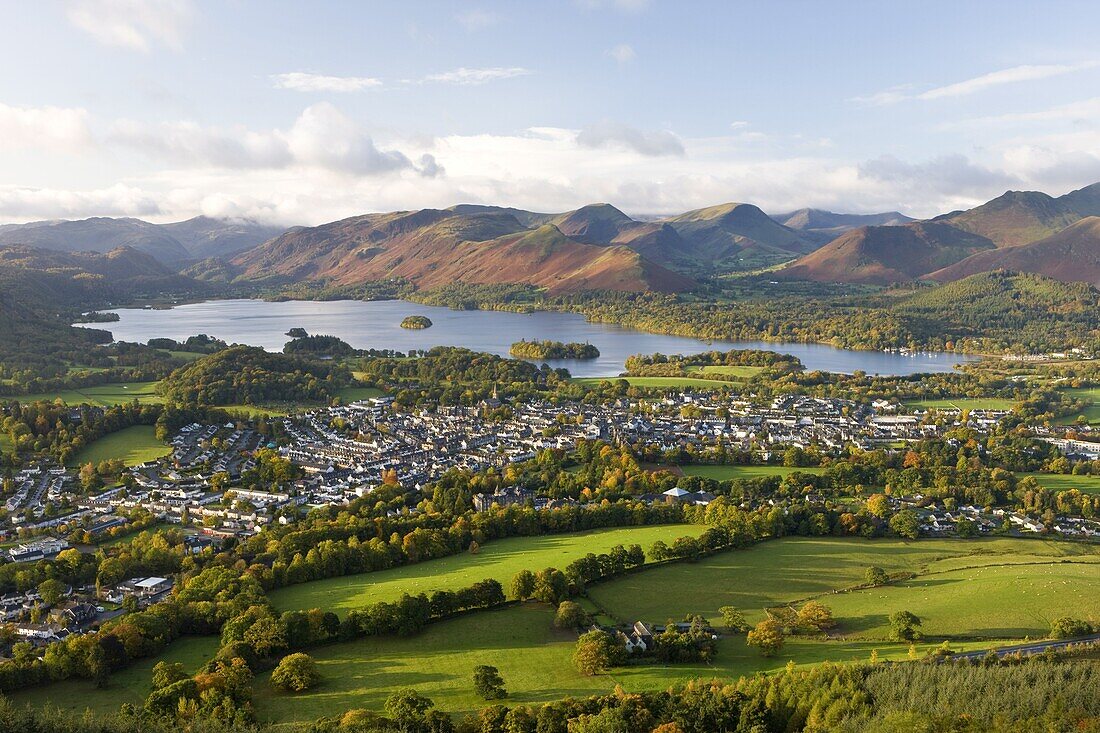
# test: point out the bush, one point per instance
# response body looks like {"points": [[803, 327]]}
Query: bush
{"points": [[295, 673]]}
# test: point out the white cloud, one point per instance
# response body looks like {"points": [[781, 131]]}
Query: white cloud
{"points": [[470, 77], [1004, 76], [300, 81], [45, 128], [321, 137], [623, 53], [1013, 75], [623, 6], [614, 134], [1085, 110], [27, 204], [133, 24], [476, 19]]}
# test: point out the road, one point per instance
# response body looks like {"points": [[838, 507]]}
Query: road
{"points": [[1037, 647]]}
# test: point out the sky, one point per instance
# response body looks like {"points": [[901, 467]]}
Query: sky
{"points": [[306, 112]]}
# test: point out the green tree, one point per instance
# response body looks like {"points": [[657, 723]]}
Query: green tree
{"points": [[570, 615], [167, 673], [51, 591], [1068, 628], [597, 651], [488, 683], [904, 626], [523, 585], [876, 576], [734, 619], [407, 708], [767, 637], [816, 616], [295, 673], [905, 524]]}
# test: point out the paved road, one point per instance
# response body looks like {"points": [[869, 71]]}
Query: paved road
{"points": [[1027, 649]]}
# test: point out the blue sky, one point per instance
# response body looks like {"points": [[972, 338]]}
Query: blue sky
{"points": [[302, 113]]}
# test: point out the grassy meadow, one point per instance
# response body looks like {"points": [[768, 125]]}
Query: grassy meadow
{"points": [[500, 559], [725, 473], [1091, 395], [661, 382], [105, 395], [133, 445], [962, 403], [1065, 482], [793, 569], [131, 684]]}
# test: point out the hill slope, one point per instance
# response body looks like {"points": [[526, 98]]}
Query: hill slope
{"points": [[881, 255], [1071, 255], [433, 247], [726, 230], [99, 234], [822, 226], [204, 237], [1015, 218]]}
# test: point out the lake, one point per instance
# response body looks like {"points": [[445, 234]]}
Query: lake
{"points": [[375, 325]]}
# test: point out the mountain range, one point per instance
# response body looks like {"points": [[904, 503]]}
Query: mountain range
{"points": [[593, 247], [195, 239], [598, 247], [1021, 231]]}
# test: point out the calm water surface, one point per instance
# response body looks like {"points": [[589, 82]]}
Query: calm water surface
{"points": [[375, 325]]}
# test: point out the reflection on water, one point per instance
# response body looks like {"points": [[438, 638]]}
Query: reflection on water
{"points": [[375, 325]]}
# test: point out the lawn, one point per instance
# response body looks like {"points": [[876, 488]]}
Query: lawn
{"points": [[792, 569], [962, 403], [105, 395], [671, 382], [725, 473], [133, 445], [1090, 395], [501, 560], [533, 658], [736, 371], [346, 395], [127, 685], [1065, 482], [1000, 601]]}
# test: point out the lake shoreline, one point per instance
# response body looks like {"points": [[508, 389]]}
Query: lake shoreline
{"points": [[375, 324]]}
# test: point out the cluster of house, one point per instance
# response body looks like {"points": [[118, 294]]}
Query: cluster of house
{"points": [[77, 611], [935, 520], [346, 451]]}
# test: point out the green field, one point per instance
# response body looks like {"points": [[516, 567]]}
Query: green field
{"points": [[1092, 396], [725, 473], [1065, 482], [533, 658], [127, 685], [962, 403], [500, 560], [1002, 601], [108, 395], [134, 445], [672, 382], [105, 395], [346, 395], [737, 371], [792, 569]]}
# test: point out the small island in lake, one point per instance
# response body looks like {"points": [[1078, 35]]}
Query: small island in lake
{"points": [[553, 350], [297, 333], [416, 322]]}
